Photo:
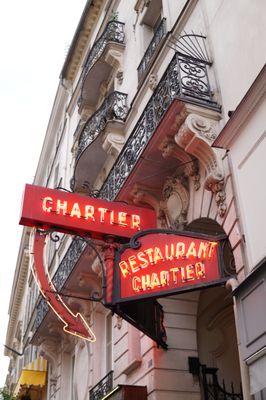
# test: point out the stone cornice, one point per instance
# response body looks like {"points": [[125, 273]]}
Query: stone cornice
{"points": [[18, 288], [243, 112], [79, 42]]}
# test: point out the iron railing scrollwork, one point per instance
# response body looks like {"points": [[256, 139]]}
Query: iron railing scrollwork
{"points": [[113, 108], [103, 387], [194, 80], [210, 387], [68, 263], [42, 310], [212, 390], [114, 32], [186, 79], [152, 49]]}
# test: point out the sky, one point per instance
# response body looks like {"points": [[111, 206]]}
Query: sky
{"points": [[34, 38]]}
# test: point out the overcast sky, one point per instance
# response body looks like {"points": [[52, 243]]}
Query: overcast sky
{"points": [[34, 38]]}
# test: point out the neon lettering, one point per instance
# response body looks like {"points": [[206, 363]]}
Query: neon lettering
{"points": [[164, 277], [89, 212], [191, 250], [171, 255], [135, 221], [190, 272], [155, 281], [122, 218], [203, 247], [141, 257], [180, 250], [44, 204], [102, 212], [212, 247], [136, 283], [200, 270], [132, 263], [149, 252], [75, 212], [157, 255], [61, 206], [124, 268]]}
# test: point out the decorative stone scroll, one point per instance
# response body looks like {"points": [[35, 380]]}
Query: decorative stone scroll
{"points": [[113, 142], [195, 136], [171, 205]]}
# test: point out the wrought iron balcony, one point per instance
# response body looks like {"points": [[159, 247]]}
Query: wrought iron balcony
{"points": [[186, 79], [114, 32], [113, 108], [152, 49], [64, 270], [102, 388]]}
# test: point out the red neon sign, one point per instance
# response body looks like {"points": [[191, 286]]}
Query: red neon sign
{"points": [[76, 214], [157, 264]]}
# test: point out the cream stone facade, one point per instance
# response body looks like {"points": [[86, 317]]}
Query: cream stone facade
{"points": [[160, 104]]}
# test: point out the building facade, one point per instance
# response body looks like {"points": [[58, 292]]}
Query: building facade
{"points": [[160, 104]]}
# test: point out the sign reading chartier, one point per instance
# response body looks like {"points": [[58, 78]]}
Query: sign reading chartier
{"points": [[76, 214], [157, 263]]}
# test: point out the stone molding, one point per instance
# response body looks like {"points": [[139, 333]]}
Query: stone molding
{"points": [[114, 57], [49, 348], [195, 136]]}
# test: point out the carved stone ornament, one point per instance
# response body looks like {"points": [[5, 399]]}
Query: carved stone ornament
{"points": [[114, 57], [153, 81], [141, 195], [113, 143], [175, 202], [119, 322], [189, 165], [120, 76], [195, 136]]}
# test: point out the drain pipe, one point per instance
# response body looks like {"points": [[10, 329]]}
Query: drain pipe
{"points": [[232, 284]]}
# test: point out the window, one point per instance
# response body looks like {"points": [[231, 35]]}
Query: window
{"points": [[153, 31]]}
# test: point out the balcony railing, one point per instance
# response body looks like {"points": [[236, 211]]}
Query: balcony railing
{"points": [[65, 268], [102, 388], [114, 32], [152, 49], [113, 108], [186, 78]]}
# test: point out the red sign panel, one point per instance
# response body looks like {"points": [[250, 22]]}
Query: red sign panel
{"points": [[72, 213], [156, 264]]}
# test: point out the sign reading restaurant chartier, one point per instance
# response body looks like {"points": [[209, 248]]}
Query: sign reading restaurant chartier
{"points": [[160, 262]]}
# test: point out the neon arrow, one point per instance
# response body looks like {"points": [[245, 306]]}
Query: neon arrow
{"points": [[75, 324]]}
